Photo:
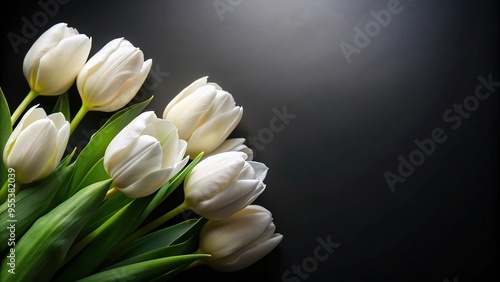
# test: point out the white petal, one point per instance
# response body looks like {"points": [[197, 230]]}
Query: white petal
{"points": [[211, 134], [118, 68], [234, 144], [130, 132], [184, 93], [59, 67], [260, 170], [62, 141], [225, 237], [212, 175], [94, 64], [32, 149], [148, 184], [42, 45], [153, 181], [250, 256], [187, 114], [231, 200], [141, 157]]}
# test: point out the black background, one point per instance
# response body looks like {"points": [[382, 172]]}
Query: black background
{"points": [[352, 121]]}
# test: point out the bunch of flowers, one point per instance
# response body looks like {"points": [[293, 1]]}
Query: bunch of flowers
{"points": [[93, 215]]}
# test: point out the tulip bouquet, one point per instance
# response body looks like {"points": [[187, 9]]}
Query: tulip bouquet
{"points": [[100, 214]]}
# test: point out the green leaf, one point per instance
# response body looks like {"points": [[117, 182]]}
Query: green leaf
{"points": [[62, 106], [41, 251], [170, 274], [97, 173], [171, 185], [183, 248], [5, 131], [178, 233], [95, 149], [102, 241], [107, 209], [33, 201], [144, 271], [113, 231]]}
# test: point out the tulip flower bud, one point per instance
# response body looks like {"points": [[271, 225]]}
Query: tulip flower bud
{"points": [[223, 184], [240, 240], [144, 155], [112, 77], [53, 62], [232, 145], [204, 114], [36, 145]]}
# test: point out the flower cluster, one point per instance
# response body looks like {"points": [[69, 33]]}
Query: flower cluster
{"points": [[88, 216]]}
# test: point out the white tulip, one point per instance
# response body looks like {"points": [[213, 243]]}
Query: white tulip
{"points": [[232, 145], [240, 240], [36, 145], [112, 77], [204, 114], [53, 62], [144, 155], [223, 184]]}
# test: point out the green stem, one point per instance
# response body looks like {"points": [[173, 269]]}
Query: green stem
{"points": [[78, 118], [20, 109], [153, 224]]}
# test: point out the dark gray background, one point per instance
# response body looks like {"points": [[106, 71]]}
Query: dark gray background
{"points": [[353, 120]]}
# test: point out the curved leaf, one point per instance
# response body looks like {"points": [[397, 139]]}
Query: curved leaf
{"points": [[62, 106], [144, 271], [5, 131], [32, 202], [41, 251]]}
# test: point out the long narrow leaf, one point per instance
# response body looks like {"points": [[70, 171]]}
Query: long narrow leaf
{"points": [[32, 202], [144, 271], [170, 273], [186, 247], [178, 233], [62, 106], [5, 131], [118, 227], [104, 239], [40, 252], [105, 211]]}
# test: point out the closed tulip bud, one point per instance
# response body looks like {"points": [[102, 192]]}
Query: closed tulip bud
{"points": [[204, 114], [112, 77], [36, 145], [53, 62], [144, 155], [240, 240], [223, 184], [232, 145]]}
